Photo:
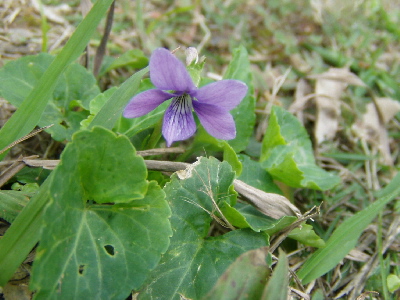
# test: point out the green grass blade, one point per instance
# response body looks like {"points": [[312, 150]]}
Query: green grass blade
{"points": [[30, 111], [345, 236], [23, 234], [112, 110]]}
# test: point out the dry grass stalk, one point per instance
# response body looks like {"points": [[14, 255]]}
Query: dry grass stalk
{"points": [[270, 204]]}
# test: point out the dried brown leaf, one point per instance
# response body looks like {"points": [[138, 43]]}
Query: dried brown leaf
{"points": [[366, 294], [18, 287], [18, 291], [371, 127], [388, 108], [301, 97], [11, 171], [48, 164], [85, 6], [272, 205], [342, 75], [52, 13], [357, 255], [329, 88]]}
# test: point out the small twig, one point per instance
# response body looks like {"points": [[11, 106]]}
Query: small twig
{"points": [[272, 205], [200, 19], [167, 166], [300, 294], [315, 211], [161, 151], [8, 173], [101, 50], [366, 294], [176, 49], [11, 171], [33, 133], [85, 7]]}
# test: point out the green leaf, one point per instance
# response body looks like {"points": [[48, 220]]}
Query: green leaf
{"points": [[194, 260], [32, 176], [347, 157], [287, 154], [278, 284], [11, 204], [112, 109], [31, 110], [136, 125], [28, 189], [239, 68], [393, 283], [231, 157], [244, 279], [96, 104], [244, 215], [205, 142], [195, 70], [255, 175], [133, 58], [23, 234], [107, 109], [345, 237], [306, 235], [281, 224], [102, 163], [18, 78], [238, 219], [132, 126], [96, 251]]}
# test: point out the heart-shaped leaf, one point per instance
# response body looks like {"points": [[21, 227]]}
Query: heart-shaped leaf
{"points": [[195, 260], [105, 227]]}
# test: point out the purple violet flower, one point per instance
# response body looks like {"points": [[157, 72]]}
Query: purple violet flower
{"points": [[211, 103]]}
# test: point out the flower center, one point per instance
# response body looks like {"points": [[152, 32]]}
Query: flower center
{"points": [[182, 104]]}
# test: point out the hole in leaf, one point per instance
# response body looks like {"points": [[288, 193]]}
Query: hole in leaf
{"points": [[109, 249], [81, 269], [65, 124]]}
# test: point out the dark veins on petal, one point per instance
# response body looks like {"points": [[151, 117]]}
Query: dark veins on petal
{"points": [[181, 107]]}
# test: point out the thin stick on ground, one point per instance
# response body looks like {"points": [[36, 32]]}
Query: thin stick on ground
{"points": [[33, 133]]}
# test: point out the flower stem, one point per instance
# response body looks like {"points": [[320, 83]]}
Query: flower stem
{"points": [[155, 136]]}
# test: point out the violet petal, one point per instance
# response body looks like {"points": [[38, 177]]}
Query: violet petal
{"points": [[169, 73], [178, 121], [216, 120], [225, 93], [145, 102]]}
